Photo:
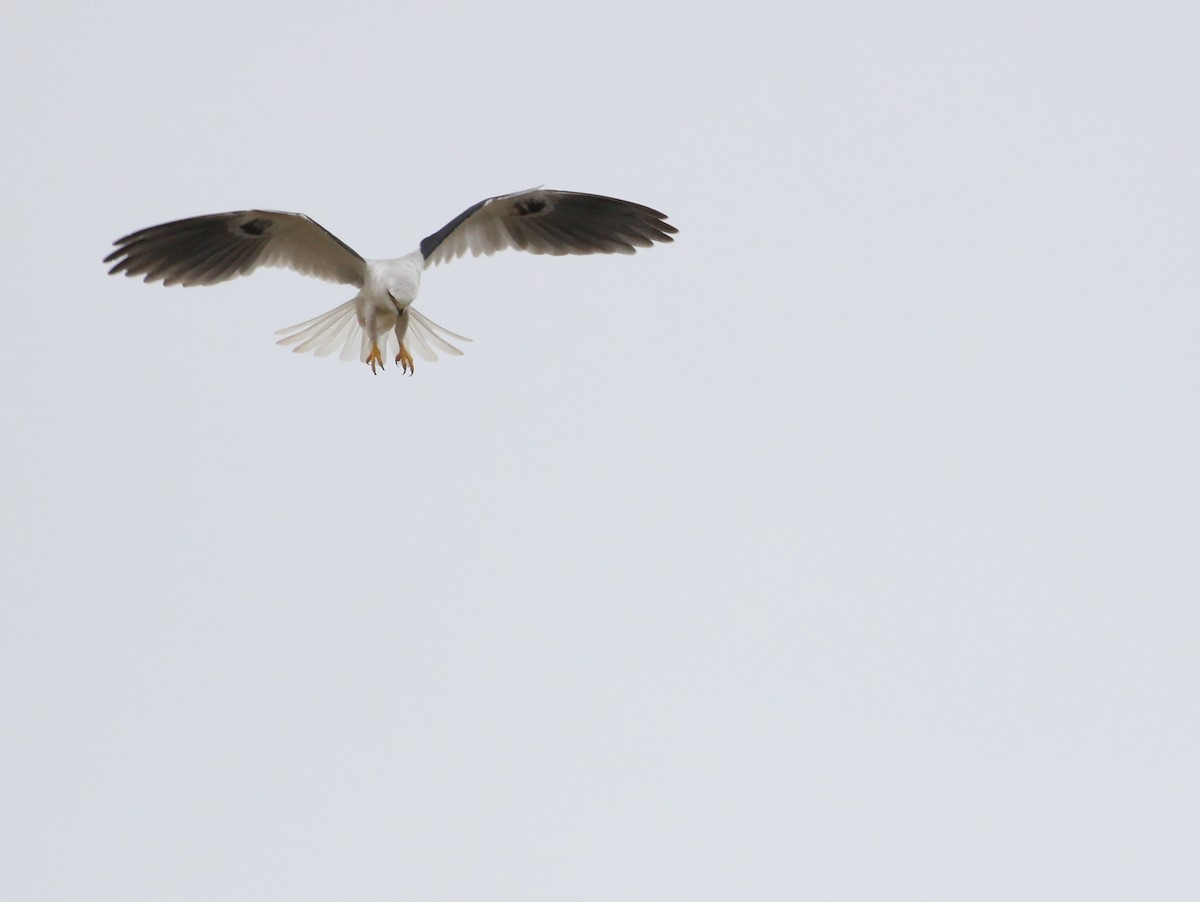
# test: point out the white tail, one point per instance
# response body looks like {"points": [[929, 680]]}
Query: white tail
{"points": [[338, 330]]}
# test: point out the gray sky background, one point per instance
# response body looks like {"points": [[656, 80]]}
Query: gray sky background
{"points": [[844, 549]]}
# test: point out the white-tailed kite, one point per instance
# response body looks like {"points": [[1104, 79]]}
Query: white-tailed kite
{"points": [[205, 250]]}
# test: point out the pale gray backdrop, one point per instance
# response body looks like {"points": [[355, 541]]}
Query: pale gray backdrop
{"points": [[845, 549]]}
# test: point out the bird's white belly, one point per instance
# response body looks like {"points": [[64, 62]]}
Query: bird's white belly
{"points": [[384, 314]]}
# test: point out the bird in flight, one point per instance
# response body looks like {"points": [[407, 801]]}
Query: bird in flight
{"points": [[380, 319]]}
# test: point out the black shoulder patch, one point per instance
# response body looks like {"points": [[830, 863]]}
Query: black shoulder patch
{"points": [[255, 226], [430, 244], [525, 207]]}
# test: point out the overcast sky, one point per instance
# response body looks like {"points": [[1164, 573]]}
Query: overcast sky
{"points": [[846, 548]]}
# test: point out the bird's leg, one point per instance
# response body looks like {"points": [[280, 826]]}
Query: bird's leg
{"points": [[404, 359], [374, 356]]}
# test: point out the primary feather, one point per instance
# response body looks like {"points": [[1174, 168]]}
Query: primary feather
{"points": [[205, 250]]}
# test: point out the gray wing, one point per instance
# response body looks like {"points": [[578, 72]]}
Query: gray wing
{"points": [[548, 222], [205, 250]]}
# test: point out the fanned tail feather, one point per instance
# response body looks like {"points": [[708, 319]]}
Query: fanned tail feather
{"points": [[425, 337], [338, 330]]}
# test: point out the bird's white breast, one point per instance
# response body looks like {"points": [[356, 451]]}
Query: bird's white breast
{"points": [[390, 286], [395, 280]]}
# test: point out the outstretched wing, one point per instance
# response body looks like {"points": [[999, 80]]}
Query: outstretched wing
{"points": [[548, 222], [205, 250]]}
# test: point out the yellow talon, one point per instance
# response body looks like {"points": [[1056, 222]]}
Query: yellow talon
{"points": [[375, 357], [405, 361]]}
